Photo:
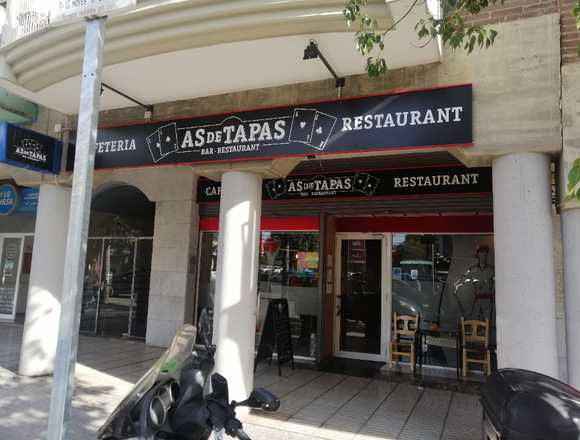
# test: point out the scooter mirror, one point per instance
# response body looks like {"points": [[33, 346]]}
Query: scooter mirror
{"points": [[262, 398], [219, 387]]}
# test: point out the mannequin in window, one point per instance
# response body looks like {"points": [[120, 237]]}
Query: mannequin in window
{"points": [[480, 279]]}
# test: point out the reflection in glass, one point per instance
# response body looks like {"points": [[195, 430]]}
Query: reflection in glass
{"points": [[92, 286], [207, 271], [116, 286], [9, 266], [443, 278], [360, 296], [289, 268], [116, 282], [141, 282]]}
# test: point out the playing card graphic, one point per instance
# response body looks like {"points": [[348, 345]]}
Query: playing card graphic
{"points": [[323, 125], [365, 183], [154, 146], [302, 125], [276, 188], [168, 138], [360, 182], [371, 185]]}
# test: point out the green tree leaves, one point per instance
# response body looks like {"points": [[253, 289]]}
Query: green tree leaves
{"points": [[452, 28], [573, 190]]}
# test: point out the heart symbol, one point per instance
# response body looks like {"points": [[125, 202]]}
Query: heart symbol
{"points": [[319, 130], [302, 124]]}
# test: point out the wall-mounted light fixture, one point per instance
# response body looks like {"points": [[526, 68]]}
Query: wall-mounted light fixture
{"points": [[312, 51]]}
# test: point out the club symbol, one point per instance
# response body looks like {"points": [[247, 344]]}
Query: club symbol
{"points": [[319, 130]]}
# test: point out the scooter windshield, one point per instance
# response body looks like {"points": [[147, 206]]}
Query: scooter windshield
{"points": [[119, 424]]}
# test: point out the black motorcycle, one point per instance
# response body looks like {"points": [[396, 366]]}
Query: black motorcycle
{"points": [[173, 400]]}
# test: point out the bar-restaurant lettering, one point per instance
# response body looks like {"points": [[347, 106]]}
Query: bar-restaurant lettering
{"points": [[418, 119]]}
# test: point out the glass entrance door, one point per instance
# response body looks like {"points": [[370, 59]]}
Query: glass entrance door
{"points": [[10, 262], [116, 286], [361, 322], [117, 283]]}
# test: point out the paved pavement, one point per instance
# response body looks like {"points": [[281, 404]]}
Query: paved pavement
{"points": [[315, 405]]}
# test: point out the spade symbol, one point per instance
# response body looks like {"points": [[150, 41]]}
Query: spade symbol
{"points": [[167, 139]]}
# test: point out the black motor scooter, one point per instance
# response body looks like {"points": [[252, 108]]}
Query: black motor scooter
{"points": [[172, 401]]}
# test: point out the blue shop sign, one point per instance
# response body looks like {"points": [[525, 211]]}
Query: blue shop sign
{"points": [[28, 149], [8, 199], [28, 201], [17, 200]]}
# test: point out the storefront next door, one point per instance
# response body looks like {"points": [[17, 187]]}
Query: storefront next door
{"points": [[116, 288], [363, 285], [11, 260]]}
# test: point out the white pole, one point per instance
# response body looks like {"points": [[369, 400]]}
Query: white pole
{"points": [[76, 246]]}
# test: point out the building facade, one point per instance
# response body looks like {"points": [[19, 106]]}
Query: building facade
{"points": [[432, 191]]}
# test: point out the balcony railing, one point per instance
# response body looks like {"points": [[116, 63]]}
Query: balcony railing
{"points": [[24, 17]]}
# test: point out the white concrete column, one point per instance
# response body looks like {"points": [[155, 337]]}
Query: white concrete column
{"points": [[236, 280], [524, 263], [44, 293], [571, 247]]}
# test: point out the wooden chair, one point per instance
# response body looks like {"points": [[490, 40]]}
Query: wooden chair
{"points": [[404, 339], [475, 343]]}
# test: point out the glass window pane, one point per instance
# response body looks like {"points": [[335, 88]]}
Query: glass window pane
{"points": [[142, 277], [92, 286], [289, 268], [207, 271], [10, 260], [116, 282], [443, 278]]}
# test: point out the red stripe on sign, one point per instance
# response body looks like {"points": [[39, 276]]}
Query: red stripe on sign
{"points": [[418, 224], [270, 224]]}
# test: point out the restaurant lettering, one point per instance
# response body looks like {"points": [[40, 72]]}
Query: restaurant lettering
{"points": [[401, 119], [445, 180], [367, 184], [418, 119]]}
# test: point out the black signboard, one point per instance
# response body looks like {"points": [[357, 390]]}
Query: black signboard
{"points": [[28, 149], [365, 184], [418, 119], [276, 336]]}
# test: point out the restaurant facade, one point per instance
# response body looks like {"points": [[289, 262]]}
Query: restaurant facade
{"points": [[432, 192]]}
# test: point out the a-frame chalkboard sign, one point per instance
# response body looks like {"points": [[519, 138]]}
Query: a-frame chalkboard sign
{"points": [[276, 335]]}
